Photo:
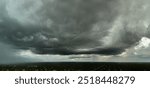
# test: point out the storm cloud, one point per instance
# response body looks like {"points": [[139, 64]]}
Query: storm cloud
{"points": [[74, 26]]}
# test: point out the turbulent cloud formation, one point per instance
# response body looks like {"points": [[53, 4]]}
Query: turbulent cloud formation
{"points": [[74, 26]]}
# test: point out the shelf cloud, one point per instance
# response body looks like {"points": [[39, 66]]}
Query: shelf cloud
{"points": [[66, 27]]}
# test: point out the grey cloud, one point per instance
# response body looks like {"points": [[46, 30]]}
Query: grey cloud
{"points": [[8, 55], [71, 26]]}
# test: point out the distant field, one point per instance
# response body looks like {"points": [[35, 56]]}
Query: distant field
{"points": [[77, 66]]}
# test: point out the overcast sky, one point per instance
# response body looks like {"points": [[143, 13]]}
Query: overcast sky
{"points": [[57, 30]]}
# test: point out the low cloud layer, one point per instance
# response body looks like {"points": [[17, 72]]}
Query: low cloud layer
{"points": [[8, 55], [107, 27]]}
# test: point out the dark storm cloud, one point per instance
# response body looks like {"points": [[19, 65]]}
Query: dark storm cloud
{"points": [[8, 55], [131, 25], [69, 26]]}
